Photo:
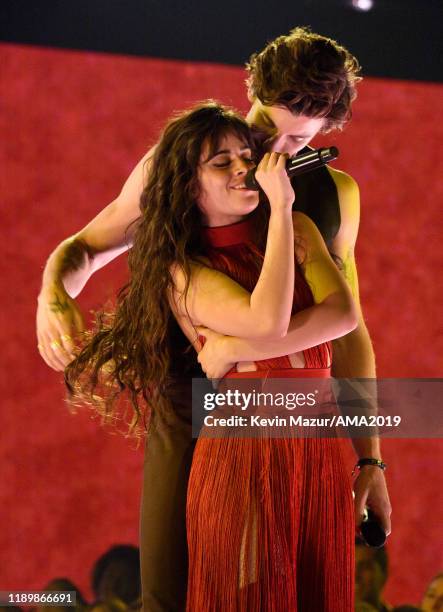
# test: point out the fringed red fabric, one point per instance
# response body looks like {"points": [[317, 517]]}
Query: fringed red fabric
{"points": [[270, 526], [269, 521]]}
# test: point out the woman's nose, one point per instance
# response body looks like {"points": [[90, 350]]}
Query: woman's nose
{"points": [[241, 166]]}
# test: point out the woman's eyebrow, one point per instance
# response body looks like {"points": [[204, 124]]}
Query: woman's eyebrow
{"points": [[227, 152]]}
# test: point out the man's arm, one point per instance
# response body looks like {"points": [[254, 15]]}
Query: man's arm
{"points": [[353, 355], [74, 260]]}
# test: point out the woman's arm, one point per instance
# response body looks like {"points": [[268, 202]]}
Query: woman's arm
{"points": [[333, 315], [326, 321], [216, 301]]}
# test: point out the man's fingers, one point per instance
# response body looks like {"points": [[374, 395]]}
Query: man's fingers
{"points": [[386, 524], [46, 358], [56, 353], [359, 505], [68, 345], [383, 514], [57, 332], [63, 338], [44, 347], [79, 321], [59, 354], [67, 331], [50, 357]]}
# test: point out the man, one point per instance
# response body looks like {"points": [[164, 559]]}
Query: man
{"points": [[299, 85]]}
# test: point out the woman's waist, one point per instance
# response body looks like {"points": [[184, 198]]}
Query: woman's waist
{"points": [[283, 373]]}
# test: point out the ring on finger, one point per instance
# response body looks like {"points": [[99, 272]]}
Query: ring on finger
{"points": [[54, 345], [66, 337]]}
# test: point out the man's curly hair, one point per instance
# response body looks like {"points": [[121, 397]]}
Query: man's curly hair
{"points": [[308, 74]]}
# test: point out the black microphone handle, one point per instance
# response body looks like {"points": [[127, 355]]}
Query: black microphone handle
{"points": [[371, 530], [315, 158]]}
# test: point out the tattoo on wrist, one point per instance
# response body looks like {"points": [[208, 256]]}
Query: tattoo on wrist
{"points": [[58, 305]]}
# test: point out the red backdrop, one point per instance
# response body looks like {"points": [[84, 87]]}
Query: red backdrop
{"points": [[72, 126]]}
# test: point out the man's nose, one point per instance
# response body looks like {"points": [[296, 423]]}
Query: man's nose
{"points": [[277, 143], [281, 145]]}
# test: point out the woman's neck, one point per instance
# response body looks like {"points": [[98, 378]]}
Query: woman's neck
{"points": [[223, 220]]}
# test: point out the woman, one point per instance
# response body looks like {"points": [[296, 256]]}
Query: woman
{"points": [[243, 288]]}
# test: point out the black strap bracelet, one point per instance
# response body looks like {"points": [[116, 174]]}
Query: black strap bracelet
{"points": [[369, 461]]}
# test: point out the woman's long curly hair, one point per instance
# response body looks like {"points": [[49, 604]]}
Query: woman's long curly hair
{"points": [[129, 360]]}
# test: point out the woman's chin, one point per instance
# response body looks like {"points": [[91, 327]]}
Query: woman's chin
{"points": [[250, 205]]}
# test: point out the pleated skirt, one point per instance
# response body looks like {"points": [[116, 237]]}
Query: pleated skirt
{"points": [[270, 526]]}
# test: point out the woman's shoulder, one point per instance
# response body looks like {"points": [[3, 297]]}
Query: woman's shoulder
{"points": [[196, 265]]}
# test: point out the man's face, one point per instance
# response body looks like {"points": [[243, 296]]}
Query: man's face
{"points": [[287, 133]]}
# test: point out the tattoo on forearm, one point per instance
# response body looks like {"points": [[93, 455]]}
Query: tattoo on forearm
{"points": [[58, 305], [74, 256], [347, 268], [337, 260]]}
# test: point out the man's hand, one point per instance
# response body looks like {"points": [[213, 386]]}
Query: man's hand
{"points": [[370, 490], [59, 321], [214, 357]]}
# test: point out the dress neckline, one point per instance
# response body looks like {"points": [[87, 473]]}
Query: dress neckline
{"points": [[228, 235]]}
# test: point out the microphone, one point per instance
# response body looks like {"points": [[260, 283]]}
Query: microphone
{"points": [[371, 531], [315, 158]]}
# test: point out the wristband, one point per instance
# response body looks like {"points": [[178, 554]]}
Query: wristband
{"points": [[369, 461]]}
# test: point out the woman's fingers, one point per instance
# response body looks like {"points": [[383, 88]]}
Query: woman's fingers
{"points": [[281, 161], [272, 176]]}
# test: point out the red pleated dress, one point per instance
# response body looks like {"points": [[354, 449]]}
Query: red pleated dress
{"points": [[270, 521]]}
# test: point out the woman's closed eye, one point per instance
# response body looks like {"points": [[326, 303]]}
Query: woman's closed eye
{"points": [[227, 162]]}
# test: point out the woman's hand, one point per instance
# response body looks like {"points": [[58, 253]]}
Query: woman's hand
{"points": [[214, 357], [273, 179]]}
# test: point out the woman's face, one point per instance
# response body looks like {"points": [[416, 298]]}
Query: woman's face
{"points": [[223, 197]]}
